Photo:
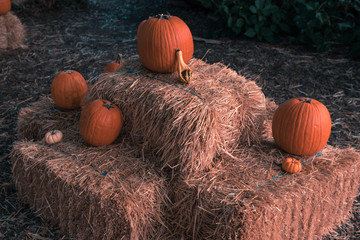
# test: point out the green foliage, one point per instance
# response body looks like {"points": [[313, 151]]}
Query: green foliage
{"points": [[317, 24]]}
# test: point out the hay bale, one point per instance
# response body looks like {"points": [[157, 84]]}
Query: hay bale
{"points": [[43, 116], [110, 192], [187, 125], [12, 32], [234, 199], [248, 197]]}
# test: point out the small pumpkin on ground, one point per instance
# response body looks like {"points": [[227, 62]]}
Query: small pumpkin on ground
{"points": [[291, 165], [114, 65], [159, 37], [68, 89], [100, 122], [301, 126], [5, 6], [53, 136]]}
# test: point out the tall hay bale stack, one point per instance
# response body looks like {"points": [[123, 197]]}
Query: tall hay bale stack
{"points": [[110, 192], [12, 32], [250, 197], [188, 125], [242, 196]]}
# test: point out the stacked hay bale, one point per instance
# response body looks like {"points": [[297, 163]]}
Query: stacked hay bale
{"points": [[251, 197], [187, 125], [220, 186], [221, 108], [90, 192], [193, 161], [12, 32]]}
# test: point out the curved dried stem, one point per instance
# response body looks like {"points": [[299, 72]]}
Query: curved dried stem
{"points": [[184, 71], [119, 58]]}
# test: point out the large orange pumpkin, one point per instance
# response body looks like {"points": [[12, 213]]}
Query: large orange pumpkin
{"points": [[301, 126], [158, 39], [5, 6], [68, 89], [100, 122]]}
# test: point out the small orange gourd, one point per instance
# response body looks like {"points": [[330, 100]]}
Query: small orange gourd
{"points": [[68, 89], [5, 6], [291, 165], [100, 122], [114, 65]]}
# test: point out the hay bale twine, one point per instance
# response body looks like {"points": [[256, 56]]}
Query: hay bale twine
{"points": [[188, 125], [12, 32]]}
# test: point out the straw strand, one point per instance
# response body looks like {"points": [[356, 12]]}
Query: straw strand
{"points": [[311, 159], [170, 83]]}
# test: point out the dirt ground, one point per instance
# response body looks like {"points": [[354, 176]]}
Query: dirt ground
{"points": [[86, 39]]}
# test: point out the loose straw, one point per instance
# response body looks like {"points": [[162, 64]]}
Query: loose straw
{"points": [[316, 155]]}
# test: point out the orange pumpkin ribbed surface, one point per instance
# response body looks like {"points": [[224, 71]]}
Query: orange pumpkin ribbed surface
{"points": [[301, 126], [5, 6], [158, 39], [100, 122], [291, 165], [68, 89]]}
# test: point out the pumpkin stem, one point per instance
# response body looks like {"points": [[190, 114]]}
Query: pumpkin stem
{"points": [[305, 100], [119, 58], [107, 105], [162, 16], [184, 71], [68, 71]]}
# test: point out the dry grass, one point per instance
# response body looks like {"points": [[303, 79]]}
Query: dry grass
{"points": [[250, 197], [242, 196], [90, 192], [12, 32], [187, 125], [43, 116]]}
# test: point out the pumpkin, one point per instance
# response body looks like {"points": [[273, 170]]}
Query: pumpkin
{"points": [[301, 126], [5, 6], [100, 122], [114, 65], [291, 165], [159, 37], [68, 89], [184, 72], [53, 136]]}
